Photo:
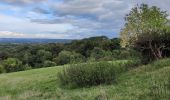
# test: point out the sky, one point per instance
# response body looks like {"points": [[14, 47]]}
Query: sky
{"points": [[67, 19]]}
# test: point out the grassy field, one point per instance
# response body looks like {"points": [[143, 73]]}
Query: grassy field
{"points": [[143, 83]]}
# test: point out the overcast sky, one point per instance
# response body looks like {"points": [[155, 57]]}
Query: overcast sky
{"points": [[66, 19]]}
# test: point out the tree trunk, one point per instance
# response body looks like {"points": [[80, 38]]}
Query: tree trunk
{"points": [[156, 51]]}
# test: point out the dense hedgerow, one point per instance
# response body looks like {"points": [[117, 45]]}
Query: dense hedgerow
{"points": [[89, 74]]}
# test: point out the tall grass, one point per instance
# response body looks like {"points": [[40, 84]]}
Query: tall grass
{"points": [[160, 86], [89, 74]]}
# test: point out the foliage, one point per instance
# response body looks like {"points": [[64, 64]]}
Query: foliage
{"points": [[161, 63], [98, 53], [126, 54], [49, 63], [147, 29], [2, 70], [85, 46], [27, 67], [89, 74], [12, 65], [78, 51], [44, 55], [65, 57]]}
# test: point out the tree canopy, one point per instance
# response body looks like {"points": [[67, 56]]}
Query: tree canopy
{"points": [[147, 29]]}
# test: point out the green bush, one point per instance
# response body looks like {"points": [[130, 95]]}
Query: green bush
{"points": [[27, 67], [89, 74], [2, 70], [12, 65], [126, 54], [49, 63]]}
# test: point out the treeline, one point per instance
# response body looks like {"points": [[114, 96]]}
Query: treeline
{"points": [[17, 57]]}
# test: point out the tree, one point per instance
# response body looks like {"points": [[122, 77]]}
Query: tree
{"points": [[43, 55], [97, 53], [66, 57], [12, 65], [49, 63], [3, 55], [146, 29]]}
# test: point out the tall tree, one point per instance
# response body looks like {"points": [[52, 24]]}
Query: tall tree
{"points": [[146, 28]]}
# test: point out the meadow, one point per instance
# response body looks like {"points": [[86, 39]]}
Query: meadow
{"points": [[147, 82]]}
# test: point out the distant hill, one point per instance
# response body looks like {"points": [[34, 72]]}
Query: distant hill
{"points": [[31, 40]]}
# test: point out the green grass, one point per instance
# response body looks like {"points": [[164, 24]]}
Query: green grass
{"points": [[142, 83]]}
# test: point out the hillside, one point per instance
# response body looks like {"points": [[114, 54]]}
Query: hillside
{"points": [[142, 83]]}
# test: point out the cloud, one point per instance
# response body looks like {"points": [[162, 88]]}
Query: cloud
{"points": [[24, 26], [8, 34], [163, 4], [88, 15], [21, 2], [69, 18], [41, 10]]}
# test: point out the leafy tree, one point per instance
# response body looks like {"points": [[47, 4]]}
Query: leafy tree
{"points": [[48, 63], [97, 53], [115, 44], [146, 29], [12, 65], [3, 55], [44, 55], [76, 58], [63, 57], [66, 57], [100, 54]]}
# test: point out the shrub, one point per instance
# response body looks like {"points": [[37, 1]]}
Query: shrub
{"points": [[12, 65], [49, 63], [2, 69], [27, 67], [89, 74], [126, 54]]}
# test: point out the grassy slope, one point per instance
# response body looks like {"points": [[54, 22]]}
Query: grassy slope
{"points": [[40, 84]]}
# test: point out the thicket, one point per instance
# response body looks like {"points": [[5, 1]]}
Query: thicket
{"points": [[89, 74]]}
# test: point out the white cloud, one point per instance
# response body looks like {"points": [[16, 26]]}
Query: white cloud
{"points": [[8, 34], [69, 18], [24, 26], [22, 2]]}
